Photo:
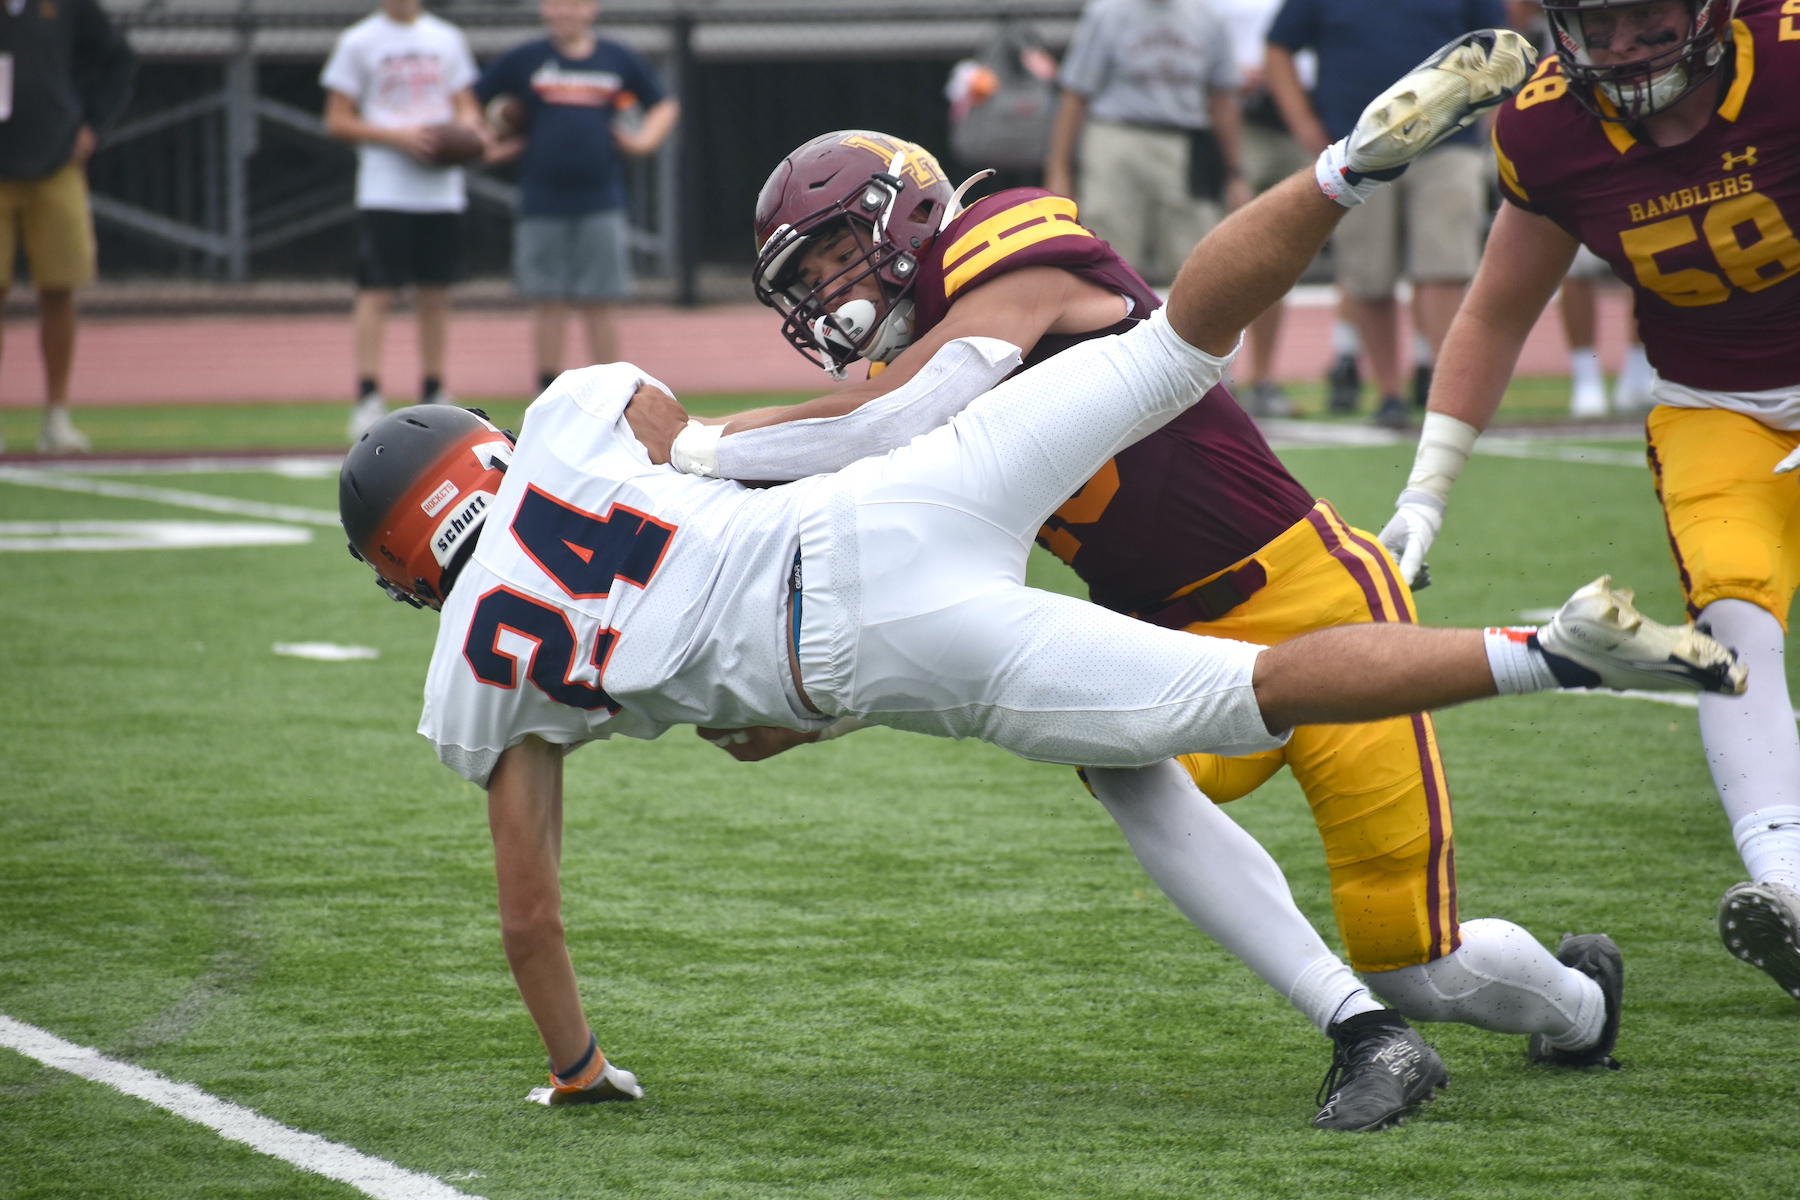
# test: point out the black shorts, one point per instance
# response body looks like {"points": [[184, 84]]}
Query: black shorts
{"points": [[397, 248]]}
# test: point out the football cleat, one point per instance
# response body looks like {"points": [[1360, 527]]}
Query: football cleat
{"points": [[1381, 1069], [364, 413], [1760, 923], [1441, 95], [59, 435], [1596, 956], [1599, 629]]}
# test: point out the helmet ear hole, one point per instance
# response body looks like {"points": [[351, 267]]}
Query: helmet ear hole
{"points": [[921, 213]]}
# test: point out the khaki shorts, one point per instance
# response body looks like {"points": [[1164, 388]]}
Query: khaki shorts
{"points": [[1270, 156], [1434, 213], [1134, 196], [51, 219]]}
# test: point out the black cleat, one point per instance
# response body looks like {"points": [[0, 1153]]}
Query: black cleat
{"points": [[1381, 1069], [1392, 413], [1760, 923], [1596, 956], [1343, 385]]}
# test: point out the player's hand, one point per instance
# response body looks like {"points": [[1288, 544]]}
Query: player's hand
{"points": [[1788, 464], [758, 742], [500, 150], [1418, 515], [85, 144], [655, 417], [415, 141], [611, 1084]]}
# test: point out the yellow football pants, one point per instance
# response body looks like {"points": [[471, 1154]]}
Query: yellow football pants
{"points": [[1734, 525], [1377, 791]]}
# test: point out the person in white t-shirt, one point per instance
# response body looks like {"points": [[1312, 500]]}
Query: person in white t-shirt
{"points": [[392, 79]]}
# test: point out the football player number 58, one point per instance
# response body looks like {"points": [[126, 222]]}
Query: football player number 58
{"points": [[1770, 255]]}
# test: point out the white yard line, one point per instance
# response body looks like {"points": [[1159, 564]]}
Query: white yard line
{"points": [[372, 1176], [1678, 699], [26, 477]]}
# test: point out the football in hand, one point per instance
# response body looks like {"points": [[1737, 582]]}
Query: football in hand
{"points": [[453, 145], [506, 116]]}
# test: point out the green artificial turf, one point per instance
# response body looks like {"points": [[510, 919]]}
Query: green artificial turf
{"points": [[164, 428], [885, 967]]}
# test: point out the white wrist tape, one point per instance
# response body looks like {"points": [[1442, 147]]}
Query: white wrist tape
{"points": [[695, 450], [959, 372], [1445, 444]]}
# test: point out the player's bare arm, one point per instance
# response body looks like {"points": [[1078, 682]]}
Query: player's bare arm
{"points": [[525, 819], [1526, 259], [344, 122]]}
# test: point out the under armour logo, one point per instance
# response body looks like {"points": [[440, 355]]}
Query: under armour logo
{"points": [[1747, 158]]}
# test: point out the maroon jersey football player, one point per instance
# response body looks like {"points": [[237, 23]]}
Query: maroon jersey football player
{"points": [[866, 253], [1665, 137]]}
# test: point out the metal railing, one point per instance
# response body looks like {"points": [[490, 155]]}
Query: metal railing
{"points": [[228, 232]]}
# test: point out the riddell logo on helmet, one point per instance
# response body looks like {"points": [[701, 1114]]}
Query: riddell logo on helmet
{"points": [[434, 503], [467, 517]]}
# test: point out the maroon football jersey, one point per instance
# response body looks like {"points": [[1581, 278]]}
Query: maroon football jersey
{"points": [[1703, 231], [1196, 496]]}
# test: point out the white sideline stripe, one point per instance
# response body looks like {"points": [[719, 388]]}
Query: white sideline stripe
{"points": [[1678, 699], [372, 1176], [26, 477]]}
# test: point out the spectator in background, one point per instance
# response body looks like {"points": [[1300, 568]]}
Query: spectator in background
{"points": [[556, 101], [1150, 87], [392, 78], [65, 76], [1431, 220], [1270, 154]]}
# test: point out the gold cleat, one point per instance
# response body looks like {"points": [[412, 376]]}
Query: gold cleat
{"points": [[1599, 629], [1441, 95]]}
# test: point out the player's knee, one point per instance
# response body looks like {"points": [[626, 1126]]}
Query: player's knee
{"points": [[1226, 779]]}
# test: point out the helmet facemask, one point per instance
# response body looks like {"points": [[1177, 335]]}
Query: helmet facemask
{"points": [[862, 328], [1629, 92]]}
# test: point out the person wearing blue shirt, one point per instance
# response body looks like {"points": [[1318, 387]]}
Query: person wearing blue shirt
{"points": [[571, 240], [1438, 206]]}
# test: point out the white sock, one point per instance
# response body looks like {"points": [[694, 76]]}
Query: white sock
{"points": [[1328, 992], [1422, 355], [1632, 388], [1769, 841], [1584, 367], [1752, 747], [1520, 664], [1224, 882], [1503, 979], [1345, 339]]}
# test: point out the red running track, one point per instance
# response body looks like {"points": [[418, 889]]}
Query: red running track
{"points": [[723, 349]]}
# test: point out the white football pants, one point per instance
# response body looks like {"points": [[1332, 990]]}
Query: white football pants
{"points": [[1752, 747], [915, 612], [1227, 885]]}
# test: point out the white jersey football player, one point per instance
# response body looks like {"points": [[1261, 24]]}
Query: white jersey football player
{"points": [[587, 590]]}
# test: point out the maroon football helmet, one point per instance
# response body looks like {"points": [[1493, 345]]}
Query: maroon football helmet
{"points": [[892, 197], [1629, 92]]}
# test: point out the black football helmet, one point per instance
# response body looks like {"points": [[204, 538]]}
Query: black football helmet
{"points": [[414, 493]]}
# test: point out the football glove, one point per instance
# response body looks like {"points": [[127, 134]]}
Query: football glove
{"points": [[1790, 463], [1418, 516], [592, 1080]]}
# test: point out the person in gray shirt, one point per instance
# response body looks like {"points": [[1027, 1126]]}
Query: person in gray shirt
{"points": [[1149, 90]]}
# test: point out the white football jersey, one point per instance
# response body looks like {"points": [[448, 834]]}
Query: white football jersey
{"points": [[607, 595]]}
